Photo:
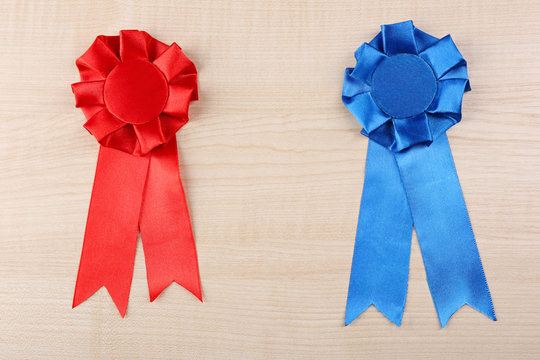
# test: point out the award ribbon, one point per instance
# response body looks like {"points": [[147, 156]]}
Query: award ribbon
{"points": [[406, 91], [135, 93]]}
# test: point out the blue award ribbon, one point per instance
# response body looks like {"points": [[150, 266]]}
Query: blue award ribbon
{"points": [[406, 91]]}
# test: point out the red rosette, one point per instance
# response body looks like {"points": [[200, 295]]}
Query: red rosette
{"points": [[135, 93]]}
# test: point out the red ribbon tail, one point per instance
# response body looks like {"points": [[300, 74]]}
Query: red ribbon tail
{"points": [[110, 240], [165, 226]]}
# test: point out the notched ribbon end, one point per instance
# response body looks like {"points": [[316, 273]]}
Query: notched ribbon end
{"points": [[353, 312], [120, 300], [194, 289], [445, 316]]}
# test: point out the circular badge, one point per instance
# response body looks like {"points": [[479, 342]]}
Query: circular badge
{"points": [[136, 91], [403, 85]]}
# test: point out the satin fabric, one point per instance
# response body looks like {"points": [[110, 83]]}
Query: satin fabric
{"points": [[410, 177], [129, 133], [395, 132], [132, 193], [135, 93], [418, 187]]}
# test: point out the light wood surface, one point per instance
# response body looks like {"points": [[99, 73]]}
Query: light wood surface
{"points": [[272, 164]]}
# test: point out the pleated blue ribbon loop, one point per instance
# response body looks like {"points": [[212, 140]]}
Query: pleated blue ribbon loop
{"points": [[406, 91]]}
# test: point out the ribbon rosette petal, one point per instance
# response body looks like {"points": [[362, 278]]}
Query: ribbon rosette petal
{"points": [[406, 91], [135, 93]]}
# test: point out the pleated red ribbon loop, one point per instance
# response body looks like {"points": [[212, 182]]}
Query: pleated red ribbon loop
{"points": [[135, 93]]}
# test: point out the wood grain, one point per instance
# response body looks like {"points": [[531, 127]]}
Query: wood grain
{"points": [[273, 165]]}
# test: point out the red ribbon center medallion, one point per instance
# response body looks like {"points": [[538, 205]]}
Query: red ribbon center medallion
{"points": [[136, 91]]}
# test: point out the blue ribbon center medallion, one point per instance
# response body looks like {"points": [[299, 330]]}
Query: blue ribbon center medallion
{"points": [[403, 85]]}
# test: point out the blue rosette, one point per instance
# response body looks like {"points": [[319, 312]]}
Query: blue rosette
{"points": [[406, 91]]}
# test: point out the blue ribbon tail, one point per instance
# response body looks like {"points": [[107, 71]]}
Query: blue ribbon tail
{"points": [[380, 267], [454, 271]]}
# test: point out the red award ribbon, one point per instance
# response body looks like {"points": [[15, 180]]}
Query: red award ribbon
{"points": [[135, 93]]}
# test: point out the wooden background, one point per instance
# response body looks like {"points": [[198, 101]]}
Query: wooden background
{"points": [[273, 164]]}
